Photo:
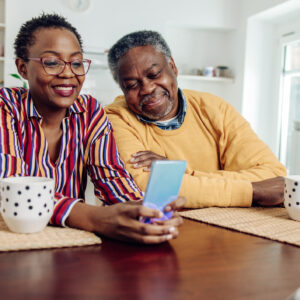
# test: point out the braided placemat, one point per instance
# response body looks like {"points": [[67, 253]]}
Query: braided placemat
{"points": [[50, 237], [270, 223]]}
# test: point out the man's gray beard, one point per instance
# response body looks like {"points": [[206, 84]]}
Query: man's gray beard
{"points": [[157, 117]]}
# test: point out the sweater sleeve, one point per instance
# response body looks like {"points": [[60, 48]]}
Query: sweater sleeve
{"points": [[243, 157]]}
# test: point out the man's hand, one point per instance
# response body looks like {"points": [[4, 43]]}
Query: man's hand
{"points": [[268, 192], [144, 159]]}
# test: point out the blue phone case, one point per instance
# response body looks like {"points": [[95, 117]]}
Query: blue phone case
{"points": [[163, 185]]}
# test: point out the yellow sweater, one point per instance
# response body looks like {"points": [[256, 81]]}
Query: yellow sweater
{"points": [[223, 153]]}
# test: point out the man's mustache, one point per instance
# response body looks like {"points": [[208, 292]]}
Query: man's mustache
{"points": [[155, 94]]}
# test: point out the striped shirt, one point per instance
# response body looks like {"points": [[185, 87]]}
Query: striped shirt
{"points": [[87, 147]]}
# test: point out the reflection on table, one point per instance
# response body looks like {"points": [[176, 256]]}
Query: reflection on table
{"points": [[204, 262]]}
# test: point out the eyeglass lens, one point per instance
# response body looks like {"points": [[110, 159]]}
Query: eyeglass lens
{"points": [[55, 66]]}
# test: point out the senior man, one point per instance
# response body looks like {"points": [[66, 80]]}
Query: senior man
{"points": [[227, 164]]}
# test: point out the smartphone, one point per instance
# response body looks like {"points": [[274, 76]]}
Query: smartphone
{"points": [[163, 185]]}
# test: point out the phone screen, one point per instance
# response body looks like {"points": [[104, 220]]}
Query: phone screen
{"points": [[164, 184]]}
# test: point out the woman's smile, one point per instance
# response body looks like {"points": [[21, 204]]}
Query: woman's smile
{"points": [[64, 90]]}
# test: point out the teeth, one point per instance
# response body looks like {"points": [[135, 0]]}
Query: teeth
{"points": [[63, 88]]}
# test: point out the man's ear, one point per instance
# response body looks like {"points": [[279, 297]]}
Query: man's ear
{"points": [[22, 67], [173, 66]]}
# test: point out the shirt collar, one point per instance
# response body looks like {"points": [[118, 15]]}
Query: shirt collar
{"points": [[32, 111], [174, 123], [76, 108]]}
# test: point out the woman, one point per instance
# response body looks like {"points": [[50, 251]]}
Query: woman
{"points": [[51, 131]]}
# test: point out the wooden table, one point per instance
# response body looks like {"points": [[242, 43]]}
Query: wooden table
{"points": [[205, 262]]}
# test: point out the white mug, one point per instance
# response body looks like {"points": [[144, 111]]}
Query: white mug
{"points": [[26, 203], [292, 196]]}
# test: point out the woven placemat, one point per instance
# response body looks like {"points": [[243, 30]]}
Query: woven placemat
{"points": [[50, 237], [270, 223]]}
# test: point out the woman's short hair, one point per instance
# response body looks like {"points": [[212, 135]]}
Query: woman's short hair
{"points": [[25, 38], [132, 40]]}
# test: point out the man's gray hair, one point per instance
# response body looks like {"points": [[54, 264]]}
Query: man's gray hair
{"points": [[132, 40]]}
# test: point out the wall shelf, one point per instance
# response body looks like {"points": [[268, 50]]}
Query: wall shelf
{"points": [[98, 65], [98, 57], [206, 78]]}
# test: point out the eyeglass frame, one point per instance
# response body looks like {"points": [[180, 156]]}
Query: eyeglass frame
{"points": [[41, 60]]}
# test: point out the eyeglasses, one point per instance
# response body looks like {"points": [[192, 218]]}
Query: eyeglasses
{"points": [[55, 66]]}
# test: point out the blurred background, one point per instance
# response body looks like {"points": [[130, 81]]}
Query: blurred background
{"points": [[247, 52]]}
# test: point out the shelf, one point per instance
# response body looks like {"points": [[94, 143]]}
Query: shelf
{"points": [[192, 25], [97, 56], [98, 65], [206, 78]]}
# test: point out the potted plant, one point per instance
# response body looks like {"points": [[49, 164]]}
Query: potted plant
{"points": [[17, 76]]}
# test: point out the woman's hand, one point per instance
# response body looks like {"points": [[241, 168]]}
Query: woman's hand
{"points": [[144, 159], [121, 221], [174, 206]]}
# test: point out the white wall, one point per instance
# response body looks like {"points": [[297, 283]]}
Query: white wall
{"points": [[262, 68], [200, 48], [106, 21], [247, 9]]}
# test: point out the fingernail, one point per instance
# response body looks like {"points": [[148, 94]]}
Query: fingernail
{"points": [[169, 236], [136, 165], [132, 159], [134, 154], [168, 208], [171, 229], [160, 214]]}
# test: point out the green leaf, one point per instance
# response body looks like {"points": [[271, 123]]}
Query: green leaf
{"points": [[16, 76]]}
